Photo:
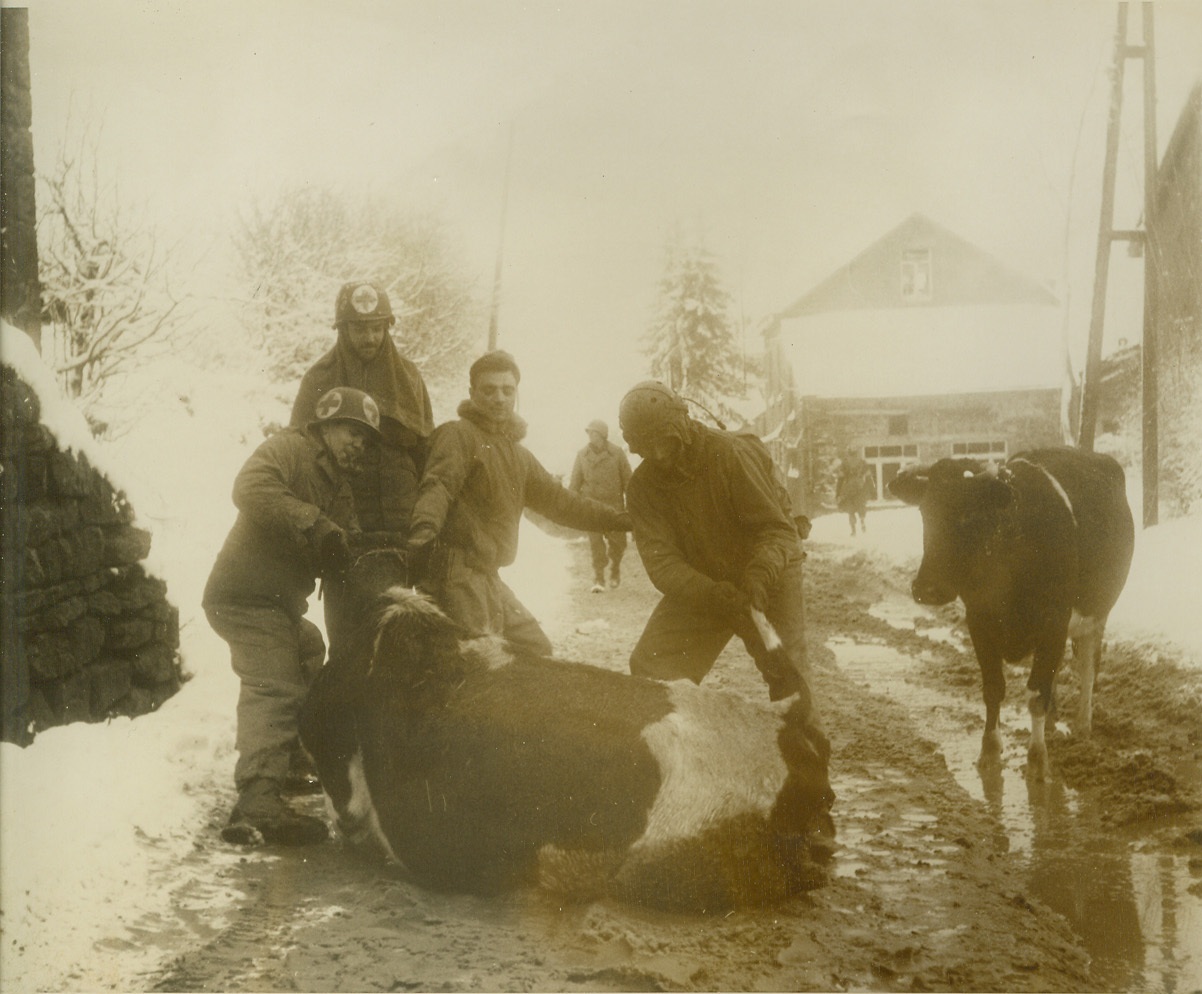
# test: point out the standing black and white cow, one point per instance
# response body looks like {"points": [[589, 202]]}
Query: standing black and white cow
{"points": [[1038, 550], [480, 768]]}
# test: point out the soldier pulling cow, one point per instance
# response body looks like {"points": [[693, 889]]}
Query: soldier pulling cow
{"points": [[446, 733]]}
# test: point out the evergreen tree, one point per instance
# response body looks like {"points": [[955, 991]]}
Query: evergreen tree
{"points": [[691, 342]]}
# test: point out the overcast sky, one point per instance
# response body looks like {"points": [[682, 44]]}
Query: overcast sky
{"points": [[795, 133]]}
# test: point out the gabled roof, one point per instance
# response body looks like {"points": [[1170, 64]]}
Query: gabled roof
{"points": [[961, 274]]}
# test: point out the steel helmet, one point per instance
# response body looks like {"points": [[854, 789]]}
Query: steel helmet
{"points": [[649, 408], [362, 300], [348, 404]]}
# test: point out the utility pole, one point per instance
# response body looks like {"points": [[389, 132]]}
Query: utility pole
{"points": [[1150, 352], [496, 279], [1107, 235]]}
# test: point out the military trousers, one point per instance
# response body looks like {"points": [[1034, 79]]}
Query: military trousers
{"points": [[276, 657]]}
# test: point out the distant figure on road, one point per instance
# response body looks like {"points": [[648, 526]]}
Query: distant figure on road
{"points": [[854, 485], [602, 472]]}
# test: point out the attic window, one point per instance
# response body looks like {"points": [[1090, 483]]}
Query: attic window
{"points": [[916, 274]]}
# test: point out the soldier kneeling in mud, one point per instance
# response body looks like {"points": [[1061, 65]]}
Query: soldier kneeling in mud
{"points": [[294, 511]]}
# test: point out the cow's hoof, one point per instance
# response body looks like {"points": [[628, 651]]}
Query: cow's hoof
{"points": [[1037, 765], [991, 751], [821, 840]]}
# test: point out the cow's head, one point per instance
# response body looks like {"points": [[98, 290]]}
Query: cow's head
{"points": [[355, 599], [959, 500]]}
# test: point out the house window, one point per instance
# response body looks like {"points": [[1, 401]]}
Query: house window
{"points": [[916, 275], [991, 450]]}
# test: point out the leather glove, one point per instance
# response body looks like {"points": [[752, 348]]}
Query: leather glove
{"points": [[330, 544], [729, 601], [625, 524]]}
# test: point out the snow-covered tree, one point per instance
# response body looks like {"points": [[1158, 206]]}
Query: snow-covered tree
{"points": [[691, 342], [107, 299], [297, 250]]}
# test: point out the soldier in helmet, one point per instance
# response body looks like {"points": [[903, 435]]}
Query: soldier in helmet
{"points": [[602, 471], [294, 513], [366, 358], [717, 537], [716, 534], [478, 480]]}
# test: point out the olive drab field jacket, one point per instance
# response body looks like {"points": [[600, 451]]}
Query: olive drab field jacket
{"points": [[478, 480], [722, 515], [602, 475], [288, 482]]}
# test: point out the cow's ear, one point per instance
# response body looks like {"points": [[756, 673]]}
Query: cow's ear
{"points": [[909, 486]]}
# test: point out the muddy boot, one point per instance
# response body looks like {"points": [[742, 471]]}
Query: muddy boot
{"points": [[262, 817], [615, 576], [599, 583]]}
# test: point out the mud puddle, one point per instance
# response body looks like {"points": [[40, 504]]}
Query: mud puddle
{"points": [[1138, 912]]}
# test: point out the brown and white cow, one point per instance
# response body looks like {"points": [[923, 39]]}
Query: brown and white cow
{"points": [[1038, 550], [480, 769]]}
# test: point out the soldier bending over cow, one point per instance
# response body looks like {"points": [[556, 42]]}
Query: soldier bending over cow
{"points": [[716, 534], [478, 480], [294, 510]]}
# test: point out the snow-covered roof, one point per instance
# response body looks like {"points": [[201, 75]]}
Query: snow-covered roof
{"points": [[925, 351]]}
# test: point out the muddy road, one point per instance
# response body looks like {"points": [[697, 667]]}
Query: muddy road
{"points": [[943, 881]]}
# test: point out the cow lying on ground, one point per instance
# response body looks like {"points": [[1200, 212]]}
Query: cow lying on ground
{"points": [[480, 769], [1038, 550]]}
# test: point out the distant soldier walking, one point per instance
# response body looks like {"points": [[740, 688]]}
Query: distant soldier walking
{"points": [[854, 485], [602, 472]]}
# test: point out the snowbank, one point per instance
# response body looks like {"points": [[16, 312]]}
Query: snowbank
{"points": [[98, 819]]}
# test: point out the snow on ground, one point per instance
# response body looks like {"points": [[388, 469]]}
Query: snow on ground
{"points": [[97, 818], [1160, 603]]}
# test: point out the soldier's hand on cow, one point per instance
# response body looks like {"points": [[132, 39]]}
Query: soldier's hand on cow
{"points": [[625, 522], [729, 601]]}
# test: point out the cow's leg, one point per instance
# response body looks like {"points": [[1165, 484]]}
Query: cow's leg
{"points": [[1086, 634], [993, 689], [1040, 686], [987, 644]]}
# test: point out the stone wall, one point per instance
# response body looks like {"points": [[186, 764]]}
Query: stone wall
{"points": [[87, 633]]}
